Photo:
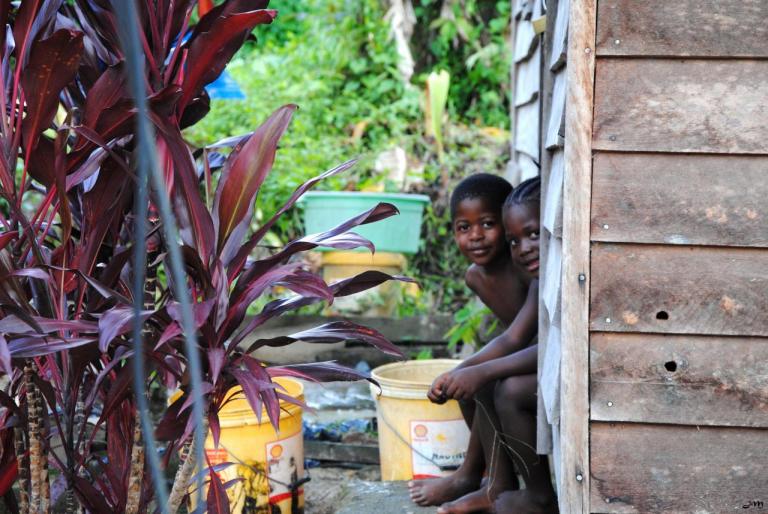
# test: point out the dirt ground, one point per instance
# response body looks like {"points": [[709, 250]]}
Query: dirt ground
{"points": [[329, 485]]}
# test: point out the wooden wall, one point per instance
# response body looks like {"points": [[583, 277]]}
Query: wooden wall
{"points": [[649, 124], [678, 314], [538, 114]]}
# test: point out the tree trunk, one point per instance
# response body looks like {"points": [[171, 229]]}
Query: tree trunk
{"points": [[23, 462], [40, 494], [185, 471], [136, 475]]}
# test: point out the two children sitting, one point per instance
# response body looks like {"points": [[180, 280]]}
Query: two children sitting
{"points": [[497, 229]]}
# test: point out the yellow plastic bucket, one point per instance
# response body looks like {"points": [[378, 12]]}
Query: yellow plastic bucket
{"points": [[417, 438], [268, 462]]}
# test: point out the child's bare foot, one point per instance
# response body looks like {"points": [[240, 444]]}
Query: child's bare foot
{"points": [[436, 491], [525, 502], [476, 501]]}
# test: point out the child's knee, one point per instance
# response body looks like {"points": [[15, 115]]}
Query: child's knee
{"points": [[509, 394], [516, 393]]}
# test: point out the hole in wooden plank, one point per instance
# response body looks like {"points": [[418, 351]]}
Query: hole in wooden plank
{"points": [[662, 315], [670, 366]]}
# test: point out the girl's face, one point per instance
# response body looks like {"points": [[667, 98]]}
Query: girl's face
{"points": [[521, 229], [478, 231]]}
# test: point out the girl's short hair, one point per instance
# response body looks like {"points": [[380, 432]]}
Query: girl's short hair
{"points": [[529, 191], [490, 188]]}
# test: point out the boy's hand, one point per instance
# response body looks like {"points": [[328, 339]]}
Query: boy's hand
{"points": [[436, 393], [463, 384]]}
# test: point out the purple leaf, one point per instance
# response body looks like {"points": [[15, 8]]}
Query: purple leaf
{"points": [[217, 501], [379, 212], [5, 357], [333, 332], [361, 282], [319, 372], [243, 175], [14, 325], [115, 322], [26, 347], [248, 247], [216, 362], [215, 427], [32, 273], [209, 51], [7, 237], [53, 63]]}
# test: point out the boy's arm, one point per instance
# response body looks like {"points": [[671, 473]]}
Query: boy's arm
{"points": [[516, 336], [463, 384]]}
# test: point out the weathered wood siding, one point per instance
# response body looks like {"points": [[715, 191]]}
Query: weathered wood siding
{"points": [[678, 364], [538, 114]]}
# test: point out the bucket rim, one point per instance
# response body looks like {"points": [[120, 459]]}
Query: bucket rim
{"points": [[403, 197], [376, 373]]}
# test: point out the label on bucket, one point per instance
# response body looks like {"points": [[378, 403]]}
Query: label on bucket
{"points": [[285, 466], [438, 447]]}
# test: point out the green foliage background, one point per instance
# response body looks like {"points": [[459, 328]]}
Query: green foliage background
{"points": [[335, 59]]}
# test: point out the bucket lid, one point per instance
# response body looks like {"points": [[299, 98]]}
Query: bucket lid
{"points": [[236, 405], [409, 380]]}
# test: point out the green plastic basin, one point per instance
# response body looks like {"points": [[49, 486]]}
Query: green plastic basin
{"points": [[400, 233]]}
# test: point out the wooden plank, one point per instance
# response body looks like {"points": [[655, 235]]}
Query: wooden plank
{"points": [[552, 210], [574, 367], [527, 136], [528, 167], [709, 106], [543, 432], [679, 289], [556, 118], [560, 37], [683, 380], [342, 452], [550, 376], [658, 468], [702, 28], [647, 198], [526, 41], [528, 79], [550, 282]]}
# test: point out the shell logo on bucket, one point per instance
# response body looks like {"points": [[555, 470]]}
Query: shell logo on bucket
{"points": [[438, 447], [285, 467]]}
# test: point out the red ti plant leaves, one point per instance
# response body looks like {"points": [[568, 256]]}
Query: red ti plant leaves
{"points": [[337, 237], [247, 248], [5, 357], [217, 501], [333, 332], [210, 51], [243, 175], [53, 63], [352, 285], [319, 372], [115, 322], [7, 237]]}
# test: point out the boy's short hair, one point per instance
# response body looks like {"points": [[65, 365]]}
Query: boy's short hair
{"points": [[528, 191], [491, 188]]}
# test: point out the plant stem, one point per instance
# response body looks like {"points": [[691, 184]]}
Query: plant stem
{"points": [[187, 464], [136, 474], [23, 462], [35, 445]]}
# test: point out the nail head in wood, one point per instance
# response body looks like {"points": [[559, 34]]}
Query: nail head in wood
{"points": [[579, 477], [607, 320], [582, 277]]}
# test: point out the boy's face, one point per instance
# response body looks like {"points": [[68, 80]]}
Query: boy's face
{"points": [[521, 230], [478, 231]]}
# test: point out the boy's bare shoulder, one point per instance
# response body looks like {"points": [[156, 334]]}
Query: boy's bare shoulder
{"points": [[473, 277]]}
